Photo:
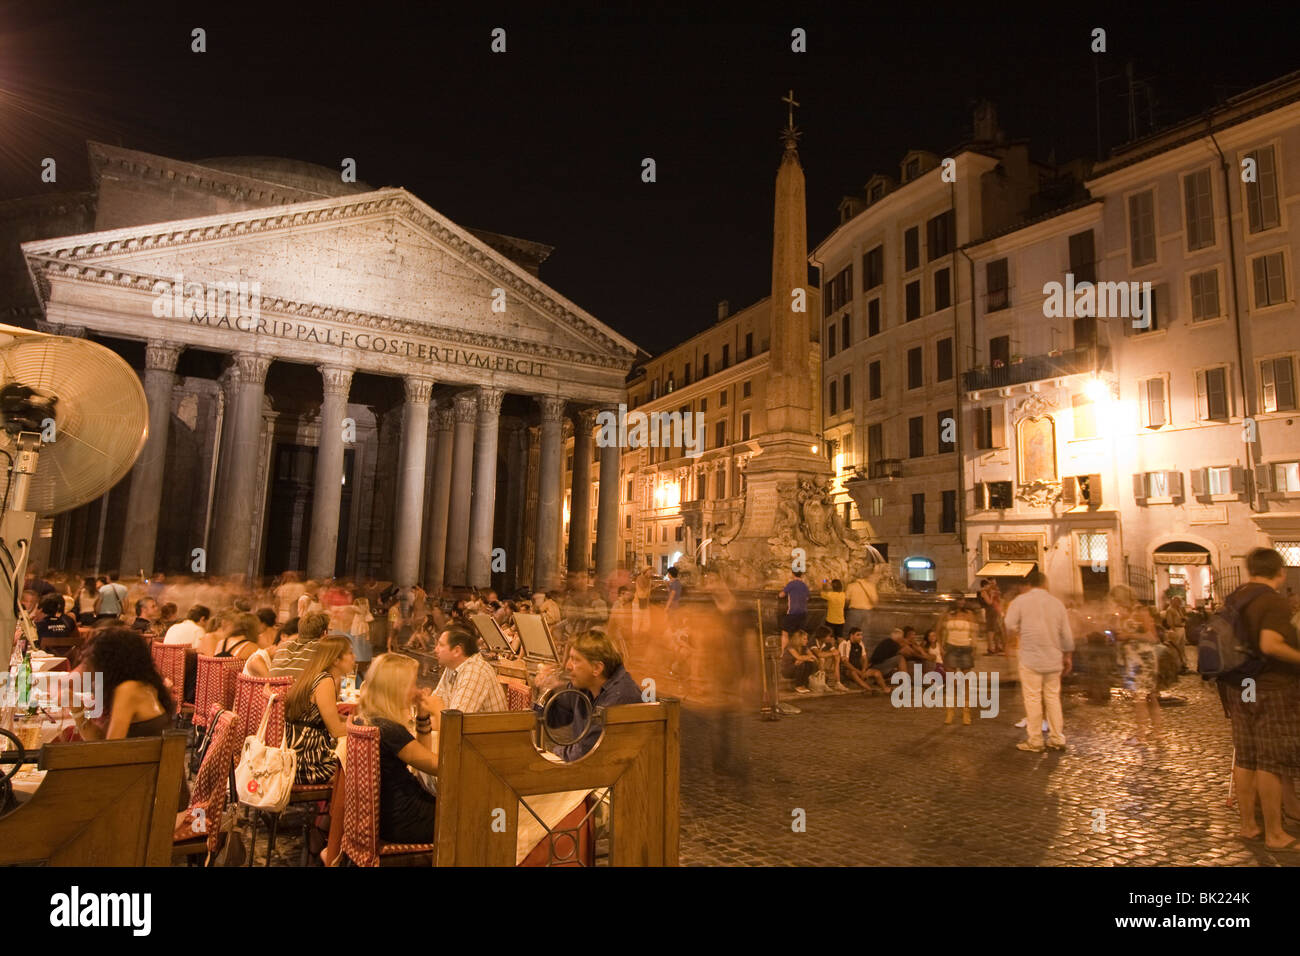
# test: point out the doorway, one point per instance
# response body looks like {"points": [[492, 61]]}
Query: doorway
{"points": [[288, 530]]}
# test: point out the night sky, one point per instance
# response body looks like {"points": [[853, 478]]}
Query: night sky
{"points": [[546, 141]]}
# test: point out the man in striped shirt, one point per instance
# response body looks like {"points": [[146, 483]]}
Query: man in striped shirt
{"points": [[292, 658], [468, 683]]}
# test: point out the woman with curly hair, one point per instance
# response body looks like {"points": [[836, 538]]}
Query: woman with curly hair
{"points": [[136, 701]]}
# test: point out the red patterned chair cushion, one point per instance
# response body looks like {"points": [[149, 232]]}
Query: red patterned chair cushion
{"points": [[518, 697], [361, 796], [211, 784], [214, 684], [250, 700], [169, 659]]}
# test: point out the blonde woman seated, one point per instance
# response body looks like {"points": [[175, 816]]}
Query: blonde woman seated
{"points": [[391, 701], [311, 710]]}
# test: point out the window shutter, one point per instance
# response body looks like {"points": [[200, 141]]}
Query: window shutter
{"points": [[1264, 477], [1140, 487], [1162, 313], [1156, 403], [1144, 408], [977, 427], [1202, 397], [997, 436], [1282, 372], [1094, 491], [1267, 385], [1068, 496], [1200, 478], [981, 496], [1175, 484], [1238, 479]]}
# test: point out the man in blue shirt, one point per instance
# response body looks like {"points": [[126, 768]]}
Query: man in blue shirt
{"points": [[795, 593], [595, 669]]}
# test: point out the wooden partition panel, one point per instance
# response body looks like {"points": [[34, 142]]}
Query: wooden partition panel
{"points": [[102, 803], [488, 762]]}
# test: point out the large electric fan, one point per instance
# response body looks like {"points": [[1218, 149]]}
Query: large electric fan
{"points": [[73, 419]]}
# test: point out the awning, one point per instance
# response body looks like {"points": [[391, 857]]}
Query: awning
{"points": [[1005, 569]]}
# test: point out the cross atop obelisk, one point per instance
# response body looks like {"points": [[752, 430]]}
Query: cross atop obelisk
{"points": [[791, 133]]}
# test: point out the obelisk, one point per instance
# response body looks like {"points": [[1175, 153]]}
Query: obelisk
{"points": [[786, 507]]}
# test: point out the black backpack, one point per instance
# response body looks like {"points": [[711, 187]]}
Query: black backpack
{"points": [[1226, 650]]}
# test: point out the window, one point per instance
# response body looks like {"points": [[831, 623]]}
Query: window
{"points": [[918, 514], [839, 290], [722, 398], [677, 533], [830, 340], [1000, 350], [1085, 332], [744, 426], [654, 390], [996, 283], [1147, 315], [721, 433], [913, 296], [993, 495], [915, 437], [744, 389], [1158, 484], [1085, 417], [873, 381], [1198, 210], [704, 366], [1261, 195], [834, 392], [873, 268], [847, 391], [722, 482], [915, 374], [988, 428], [628, 497], [948, 518], [947, 426], [942, 290], [1270, 280], [749, 345], [912, 249], [943, 360], [1083, 257], [1151, 403], [1285, 475], [568, 463], [1081, 490], [1212, 394], [873, 317], [875, 442], [877, 507], [671, 385], [939, 236], [1142, 228], [627, 521], [686, 375], [1223, 480], [911, 170], [1205, 295], [726, 356], [1094, 548], [844, 331], [1277, 384]]}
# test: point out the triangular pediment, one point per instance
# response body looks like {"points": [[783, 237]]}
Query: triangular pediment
{"points": [[382, 254]]}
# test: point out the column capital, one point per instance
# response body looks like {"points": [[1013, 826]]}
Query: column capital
{"points": [[335, 379], [446, 416], [585, 418], [465, 406], [252, 367], [551, 406], [161, 355], [489, 400], [418, 389], [60, 328]]}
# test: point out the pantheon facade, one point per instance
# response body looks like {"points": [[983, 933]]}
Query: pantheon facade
{"points": [[340, 380]]}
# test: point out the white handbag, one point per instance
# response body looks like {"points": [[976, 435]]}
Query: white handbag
{"points": [[265, 774]]}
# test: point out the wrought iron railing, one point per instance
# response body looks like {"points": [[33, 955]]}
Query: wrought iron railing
{"points": [[1035, 368]]}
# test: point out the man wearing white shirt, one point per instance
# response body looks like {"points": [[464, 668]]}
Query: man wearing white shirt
{"points": [[189, 631], [1041, 625]]}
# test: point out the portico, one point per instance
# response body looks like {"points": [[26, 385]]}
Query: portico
{"points": [[351, 377]]}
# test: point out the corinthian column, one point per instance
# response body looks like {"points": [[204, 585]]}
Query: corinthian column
{"points": [[549, 500], [140, 538], [410, 480], [607, 533], [327, 495], [580, 500], [483, 505], [234, 532], [462, 478], [435, 549]]}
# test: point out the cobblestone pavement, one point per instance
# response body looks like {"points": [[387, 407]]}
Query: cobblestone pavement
{"points": [[887, 786]]}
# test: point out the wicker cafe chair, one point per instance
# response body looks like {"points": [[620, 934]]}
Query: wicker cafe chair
{"points": [[361, 844], [210, 792], [251, 695], [214, 684], [300, 793], [169, 659], [518, 696]]}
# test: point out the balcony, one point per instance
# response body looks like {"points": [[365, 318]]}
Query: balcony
{"points": [[876, 470], [1035, 368]]}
